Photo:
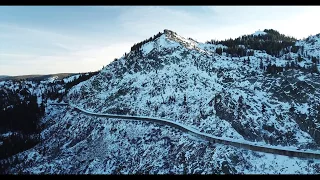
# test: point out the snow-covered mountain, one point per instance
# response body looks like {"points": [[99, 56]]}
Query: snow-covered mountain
{"points": [[36, 77], [41, 86], [255, 97]]}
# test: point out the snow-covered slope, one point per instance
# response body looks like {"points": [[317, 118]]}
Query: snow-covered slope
{"points": [[177, 78], [40, 88], [74, 143], [174, 78], [311, 45], [22, 105]]}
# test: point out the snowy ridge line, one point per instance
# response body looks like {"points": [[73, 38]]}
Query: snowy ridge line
{"points": [[208, 137]]}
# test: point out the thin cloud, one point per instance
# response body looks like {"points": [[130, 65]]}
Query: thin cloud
{"points": [[51, 37], [147, 21], [44, 33]]}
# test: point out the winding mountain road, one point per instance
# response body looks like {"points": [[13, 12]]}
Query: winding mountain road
{"points": [[287, 151]]}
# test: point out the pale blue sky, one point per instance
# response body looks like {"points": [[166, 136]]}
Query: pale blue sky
{"points": [[54, 39]]}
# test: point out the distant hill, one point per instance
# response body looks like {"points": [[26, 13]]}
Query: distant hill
{"points": [[3, 76], [35, 76]]}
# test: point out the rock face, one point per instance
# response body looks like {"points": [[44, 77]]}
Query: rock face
{"points": [[169, 76]]}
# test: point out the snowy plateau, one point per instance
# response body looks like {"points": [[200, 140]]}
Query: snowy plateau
{"points": [[188, 82]]}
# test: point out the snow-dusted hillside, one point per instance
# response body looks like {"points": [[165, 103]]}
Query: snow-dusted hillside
{"points": [[22, 106], [39, 88], [183, 80], [311, 45], [178, 78], [74, 143]]}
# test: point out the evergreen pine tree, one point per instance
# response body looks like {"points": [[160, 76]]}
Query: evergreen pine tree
{"points": [[314, 68], [184, 100], [299, 58], [240, 106], [263, 108], [261, 64], [287, 67], [292, 108]]}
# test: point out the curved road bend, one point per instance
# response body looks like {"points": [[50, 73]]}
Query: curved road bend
{"points": [[208, 137]]}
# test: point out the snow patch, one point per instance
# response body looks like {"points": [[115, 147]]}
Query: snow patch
{"points": [[259, 33]]}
